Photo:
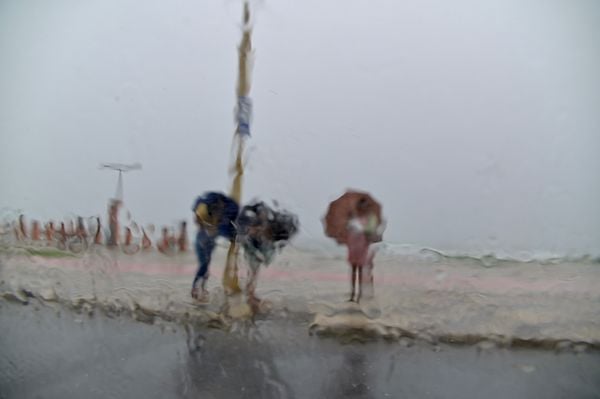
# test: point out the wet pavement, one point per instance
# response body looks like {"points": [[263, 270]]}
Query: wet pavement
{"points": [[51, 352]]}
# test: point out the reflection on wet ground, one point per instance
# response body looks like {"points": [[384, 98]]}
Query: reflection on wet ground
{"points": [[51, 352]]}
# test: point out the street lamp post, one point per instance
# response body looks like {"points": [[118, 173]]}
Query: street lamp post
{"points": [[116, 202]]}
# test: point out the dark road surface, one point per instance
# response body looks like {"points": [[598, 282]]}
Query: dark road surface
{"points": [[50, 352]]}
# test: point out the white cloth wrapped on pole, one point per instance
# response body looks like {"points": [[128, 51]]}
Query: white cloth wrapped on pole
{"points": [[243, 115]]}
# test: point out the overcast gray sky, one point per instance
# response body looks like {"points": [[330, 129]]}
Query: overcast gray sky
{"points": [[475, 123]]}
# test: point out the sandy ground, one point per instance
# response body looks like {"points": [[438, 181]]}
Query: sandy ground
{"points": [[435, 300]]}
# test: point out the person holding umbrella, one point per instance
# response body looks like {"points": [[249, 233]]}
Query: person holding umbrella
{"points": [[355, 220], [261, 232]]}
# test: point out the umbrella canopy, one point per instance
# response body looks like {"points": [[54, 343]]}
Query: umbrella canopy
{"points": [[261, 230], [343, 209]]}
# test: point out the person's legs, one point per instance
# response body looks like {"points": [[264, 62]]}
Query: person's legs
{"points": [[360, 284], [253, 268], [204, 248], [353, 281]]}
